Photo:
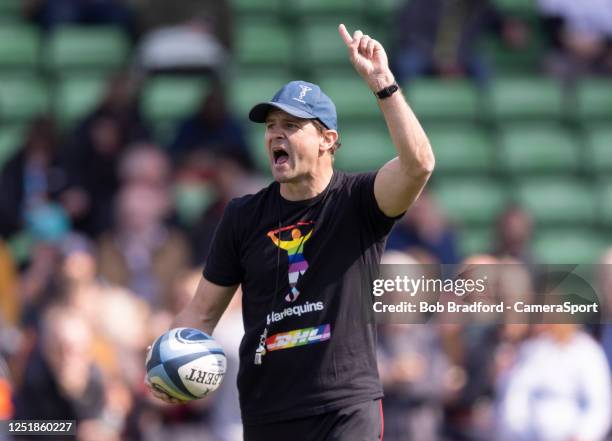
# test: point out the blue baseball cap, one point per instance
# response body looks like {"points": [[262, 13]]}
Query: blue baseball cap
{"points": [[302, 100]]}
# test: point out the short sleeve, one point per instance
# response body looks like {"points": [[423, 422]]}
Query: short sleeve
{"points": [[372, 215], [223, 265]]}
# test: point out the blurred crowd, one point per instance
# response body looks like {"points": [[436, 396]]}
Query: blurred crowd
{"points": [[445, 37], [104, 232]]}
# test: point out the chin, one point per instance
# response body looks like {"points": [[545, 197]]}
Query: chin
{"points": [[282, 178]]}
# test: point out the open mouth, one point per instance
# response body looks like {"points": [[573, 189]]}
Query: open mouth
{"points": [[280, 156]]}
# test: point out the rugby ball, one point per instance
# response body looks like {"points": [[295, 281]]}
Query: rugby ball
{"points": [[186, 363]]}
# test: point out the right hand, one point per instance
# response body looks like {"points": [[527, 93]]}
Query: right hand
{"points": [[158, 393]]}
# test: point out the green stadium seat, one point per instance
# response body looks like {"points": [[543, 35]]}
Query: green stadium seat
{"points": [[471, 201], [569, 246], [365, 147], [594, 100], [599, 148], [325, 7], [444, 99], [508, 60], [254, 87], [19, 47], [263, 41], [321, 45], [22, 98], [532, 149], [11, 139], [556, 201], [352, 97], [462, 148], [475, 241], [99, 48], [526, 99], [171, 97], [385, 10], [75, 97]]}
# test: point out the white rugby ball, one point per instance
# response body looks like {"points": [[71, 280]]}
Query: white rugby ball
{"points": [[186, 363]]}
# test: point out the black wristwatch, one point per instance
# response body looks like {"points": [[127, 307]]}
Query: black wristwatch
{"points": [[387, 91]]}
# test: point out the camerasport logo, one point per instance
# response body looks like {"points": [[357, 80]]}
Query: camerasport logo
{"points": [[298, 337]]}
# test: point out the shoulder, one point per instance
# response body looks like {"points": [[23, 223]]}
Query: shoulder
{"points": [[246, 204], [251, 200]]}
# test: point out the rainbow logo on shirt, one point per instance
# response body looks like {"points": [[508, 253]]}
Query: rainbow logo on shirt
{"points": [[295, 253], [298, 337]]}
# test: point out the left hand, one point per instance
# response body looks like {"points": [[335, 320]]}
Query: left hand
{"points": [[369, 59]]}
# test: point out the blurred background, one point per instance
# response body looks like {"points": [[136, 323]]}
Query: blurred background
{"points": [[123, 134]]}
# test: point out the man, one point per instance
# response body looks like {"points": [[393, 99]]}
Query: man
{"points": [[308, 367]]}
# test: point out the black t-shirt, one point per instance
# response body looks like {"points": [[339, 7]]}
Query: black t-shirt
{"points": [[300, 264]]}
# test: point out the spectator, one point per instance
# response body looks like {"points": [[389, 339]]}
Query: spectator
{"points": [[413, 369], [229, 178], [514, 234], [192, 36], [215, 16], [425, 232], [212, 128], [141, 253], [558, 389], [51, 13], [31, 177], [412, 364], [581, 36], [10, 303], [440, 37], [146, 164], [61, 380], [92, 155]]}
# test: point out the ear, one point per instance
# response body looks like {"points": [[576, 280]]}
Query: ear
{"points": [[328, 140]]}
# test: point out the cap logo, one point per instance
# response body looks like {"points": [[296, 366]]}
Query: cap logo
{"points": [[304, 91]]}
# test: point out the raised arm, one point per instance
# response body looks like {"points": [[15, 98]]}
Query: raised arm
{"points": [[400, 181]]}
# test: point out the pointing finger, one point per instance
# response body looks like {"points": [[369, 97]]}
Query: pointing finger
{"points": [[345, 35]]}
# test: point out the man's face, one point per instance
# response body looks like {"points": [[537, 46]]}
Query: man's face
{"points": [[293, 146]]}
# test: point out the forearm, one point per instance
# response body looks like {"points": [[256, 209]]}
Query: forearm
{"points": [[400, 181], [190, 317], [414, 150]]}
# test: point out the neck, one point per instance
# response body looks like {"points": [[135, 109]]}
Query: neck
{"points": [[306, 188]]}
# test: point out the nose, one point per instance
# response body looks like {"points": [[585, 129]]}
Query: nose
{"points": [[275, 132]]}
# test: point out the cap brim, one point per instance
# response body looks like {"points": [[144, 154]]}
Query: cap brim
{"points": [[260, 111]]}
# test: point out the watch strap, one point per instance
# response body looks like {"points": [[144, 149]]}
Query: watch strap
{"points": [[387, 91]]}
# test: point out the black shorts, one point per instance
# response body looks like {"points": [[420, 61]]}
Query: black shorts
{"points": [[358, 422]]}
